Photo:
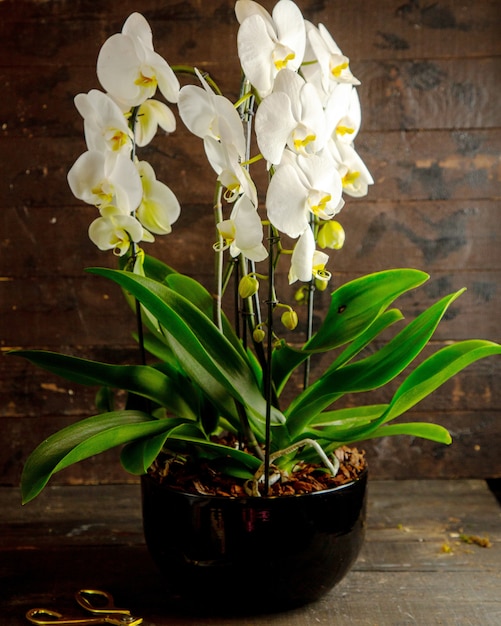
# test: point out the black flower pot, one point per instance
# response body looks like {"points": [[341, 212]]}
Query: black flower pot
{"points": [[253, 554]]}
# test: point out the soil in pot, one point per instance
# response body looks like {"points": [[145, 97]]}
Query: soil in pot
{"points": [[229, 553]]}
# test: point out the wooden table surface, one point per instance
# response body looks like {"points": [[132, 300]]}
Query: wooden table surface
{"points": [[415, 567]]}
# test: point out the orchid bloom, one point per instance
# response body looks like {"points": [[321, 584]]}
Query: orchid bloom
{"points": [[291, 115], [302, 186], [116, 232], [105, 126], [159, 206], [325, 64], [107, 180], [306, 262], [207, 114], [342, 113], [151, 115], [267, 44], [354, 174], [129, 68], [225, 161], [243, 232]]}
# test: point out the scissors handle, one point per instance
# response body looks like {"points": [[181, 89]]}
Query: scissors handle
{"points": [[46, 617], [99, 602]]}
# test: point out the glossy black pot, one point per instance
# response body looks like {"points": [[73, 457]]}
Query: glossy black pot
{"points": [[253, 554]]}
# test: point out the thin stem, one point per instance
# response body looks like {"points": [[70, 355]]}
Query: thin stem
{"points": [[268, 382], [218, 260]]}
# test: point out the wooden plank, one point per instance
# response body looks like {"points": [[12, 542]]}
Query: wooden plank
{"points": [[434, 235], [417, 165], [42, 32], [403, 576], [395, 94]]}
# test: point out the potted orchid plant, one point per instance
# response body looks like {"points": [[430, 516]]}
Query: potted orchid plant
{"points": [[205, 416]]}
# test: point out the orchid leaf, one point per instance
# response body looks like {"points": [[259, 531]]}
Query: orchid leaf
{"points": [[142, 380], [353, 309], [208, 357], [82, 440], [371, 372], [355, 305], [138, 456]]}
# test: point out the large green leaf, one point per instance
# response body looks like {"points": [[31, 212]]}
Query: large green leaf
{"points": [[353, 309], [206, 355], [435, 371], [355, 305], [368, 373], [142, 380], [82, 440]]}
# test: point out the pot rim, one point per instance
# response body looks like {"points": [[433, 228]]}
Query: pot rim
{"points": [[361, 477]]}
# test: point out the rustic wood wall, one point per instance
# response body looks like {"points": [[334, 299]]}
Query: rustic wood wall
{"points": [[430, 75]]}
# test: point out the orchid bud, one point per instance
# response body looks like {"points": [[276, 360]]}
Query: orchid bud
{"points": [[248, 286], [258, 334], [289, 319], [331, 235]]}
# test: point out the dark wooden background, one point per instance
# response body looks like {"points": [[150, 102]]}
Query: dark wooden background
{"points": [[430, 75]]}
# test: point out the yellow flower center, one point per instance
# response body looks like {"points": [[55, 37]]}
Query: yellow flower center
{"points": [[349, 178], [146, 81], [317, 202], [344, 130], [337, 70], [282, 55]]}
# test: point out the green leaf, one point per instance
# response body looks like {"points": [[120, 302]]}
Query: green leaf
{"points": [[142, 380], [206, 355], [137, 456], [436, 370], [82, 440], [371, 372], [424, 430], [355, 305], [353, 309]]}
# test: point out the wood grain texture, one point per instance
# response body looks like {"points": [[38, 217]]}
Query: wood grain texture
{"points": [[413, 568], [431, 138]]}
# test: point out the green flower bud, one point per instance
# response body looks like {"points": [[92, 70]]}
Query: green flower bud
{"points": [[331, 235], [289, 319], [248, 286], [258, 334]]}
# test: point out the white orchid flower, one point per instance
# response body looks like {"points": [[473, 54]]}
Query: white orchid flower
{"points": [[325, 65], [107, 180], [291, 115], [235, 178], [267, 44], [243, 232], [306, 262], [302, 186], [115, 232], [159, 207], [151, 115], [105, 126], [129, 68], [355, 176], [342, 113], [207, 114]]}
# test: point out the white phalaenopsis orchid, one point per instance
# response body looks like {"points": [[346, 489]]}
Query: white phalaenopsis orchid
{"points": [[306, 262], [129, 68], [105, 126], [342, 113], [151, 115], [354, 173], [291, 115], [207, 114], [116, 232], [325, 65], [159, 207], [108, 180], [243, 231], [225, 161], [267, 44], [303, 186]]}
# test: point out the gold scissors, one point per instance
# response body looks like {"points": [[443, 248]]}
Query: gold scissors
{"points": [[98, 603]]}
